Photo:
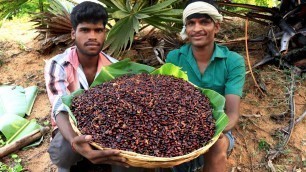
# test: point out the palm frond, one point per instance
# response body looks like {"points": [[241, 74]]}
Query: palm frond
{"points": [[55, 25], [129, 16], [121, 35]]}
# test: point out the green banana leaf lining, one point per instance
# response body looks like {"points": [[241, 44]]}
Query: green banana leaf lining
{"points": [[127, 67]]}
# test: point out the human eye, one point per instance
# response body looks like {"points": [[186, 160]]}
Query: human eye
{"points": [[100, 30], [205, 21], [190, 23], [85, 30]]}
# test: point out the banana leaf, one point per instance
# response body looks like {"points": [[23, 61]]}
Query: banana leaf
{"points": [[111, 72], [17, 100], [127, 67], [31, 93], [14, 127], [15, 103], [120, 68]]}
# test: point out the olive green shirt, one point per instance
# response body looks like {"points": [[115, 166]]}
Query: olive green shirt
{"points": [[225, 72]]}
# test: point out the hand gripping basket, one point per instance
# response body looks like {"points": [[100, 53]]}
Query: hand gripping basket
{"points": [[138, 160]]}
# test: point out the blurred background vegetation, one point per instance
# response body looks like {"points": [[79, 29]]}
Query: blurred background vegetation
{"points": [[25, 8], [127, 19]]}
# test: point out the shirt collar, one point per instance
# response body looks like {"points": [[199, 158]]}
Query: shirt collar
{"points": [[73, 59], [218, 51], [187, 51]]}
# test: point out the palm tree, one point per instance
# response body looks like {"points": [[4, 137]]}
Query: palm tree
{"points": [[128, 16], [54, 24]]}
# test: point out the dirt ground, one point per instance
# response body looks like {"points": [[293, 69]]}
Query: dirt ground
{"points": [[22, 65]]}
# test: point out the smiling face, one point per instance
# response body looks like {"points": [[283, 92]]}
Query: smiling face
{"points": [[89, 38], [201, 30]]}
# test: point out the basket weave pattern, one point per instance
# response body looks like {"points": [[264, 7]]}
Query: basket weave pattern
{"points": [[147, 161]]}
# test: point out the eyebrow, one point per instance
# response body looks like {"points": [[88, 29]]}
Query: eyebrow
{"points": [[86, 27]]}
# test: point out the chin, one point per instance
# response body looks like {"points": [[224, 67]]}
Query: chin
{"points": [[92, 53], [199, 45]]}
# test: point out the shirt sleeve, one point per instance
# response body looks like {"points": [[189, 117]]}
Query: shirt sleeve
{"points": [[56, 85], [171, 56], [236, 75]]}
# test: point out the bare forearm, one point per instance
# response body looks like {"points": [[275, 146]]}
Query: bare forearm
{"points": [[62, 121], [233, 120], [232, 111]]}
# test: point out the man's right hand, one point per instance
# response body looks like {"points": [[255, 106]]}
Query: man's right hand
{"points": [[82, 146]]}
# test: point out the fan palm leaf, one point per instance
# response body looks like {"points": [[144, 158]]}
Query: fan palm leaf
{"points": [[132, 15], [129, 16], [55, 25]]}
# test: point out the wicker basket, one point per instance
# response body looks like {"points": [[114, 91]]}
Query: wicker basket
{"points": [[147, 161], [138, 160]]}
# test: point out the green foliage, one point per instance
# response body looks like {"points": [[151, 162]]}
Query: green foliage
{"points": [[10, 6], [15, 167], [3, 167], [46, 123], [2, 140], [19, 8], [263, 145], [132, 16], [263, 3], [26, 9]]}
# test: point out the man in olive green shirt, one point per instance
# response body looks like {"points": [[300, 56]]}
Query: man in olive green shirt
{"points": [[209, 65]]}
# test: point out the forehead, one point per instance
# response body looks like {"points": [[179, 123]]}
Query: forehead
{"points": [[198, 16], [98, 24]]}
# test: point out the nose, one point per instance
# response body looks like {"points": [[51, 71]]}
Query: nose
{"points": [[92, 35], [197, 27]]}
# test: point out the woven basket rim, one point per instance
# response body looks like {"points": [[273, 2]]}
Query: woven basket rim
{"points": [[150, 158], [155, 158]]}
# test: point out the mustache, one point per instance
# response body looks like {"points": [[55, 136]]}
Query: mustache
{"points": [[92, 43], [197, 34]]}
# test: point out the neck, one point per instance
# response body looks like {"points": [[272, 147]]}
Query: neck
{"points": [[203, 53], [87, 61]]}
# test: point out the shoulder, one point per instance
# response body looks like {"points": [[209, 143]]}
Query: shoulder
{"points": [[173, 55], [110, 58], [232, 57], [58, 61], [176, 54], [60, 58]]}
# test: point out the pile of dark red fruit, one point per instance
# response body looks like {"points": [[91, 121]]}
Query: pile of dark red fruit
{"points": [[154, 115]]}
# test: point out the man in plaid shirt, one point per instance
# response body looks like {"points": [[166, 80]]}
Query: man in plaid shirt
{"points": [[77, 68]]}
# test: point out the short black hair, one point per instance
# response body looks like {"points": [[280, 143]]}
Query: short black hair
{"points": [[90, 12]]}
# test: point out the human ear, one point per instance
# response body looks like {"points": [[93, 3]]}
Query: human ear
{"points": [[73, 34], [217, 27]]}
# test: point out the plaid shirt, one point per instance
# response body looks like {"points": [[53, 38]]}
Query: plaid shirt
{"points": [[64, 74]]}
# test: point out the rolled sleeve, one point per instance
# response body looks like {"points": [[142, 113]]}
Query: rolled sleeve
{"points": [[236, 77], [58, 106]]}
